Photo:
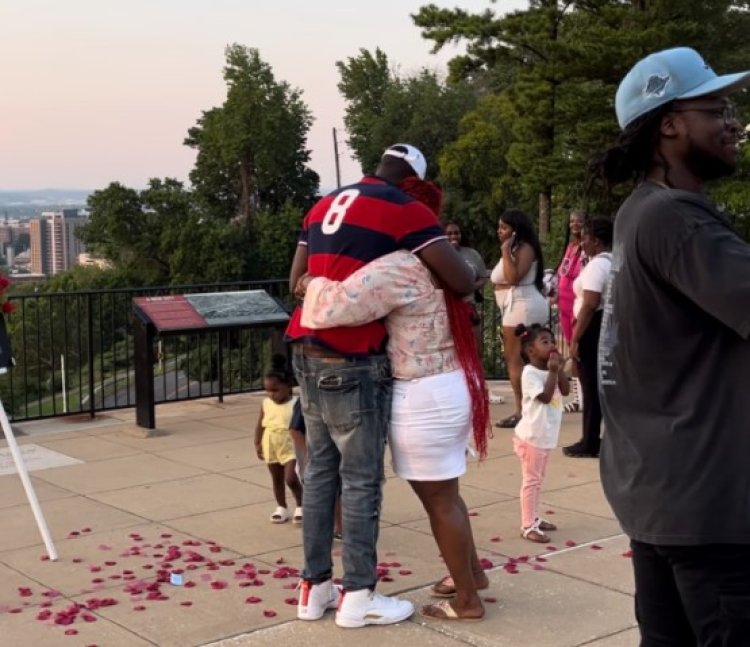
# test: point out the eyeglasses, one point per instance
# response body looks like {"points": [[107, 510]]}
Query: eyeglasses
{"points": [[727, 112]]}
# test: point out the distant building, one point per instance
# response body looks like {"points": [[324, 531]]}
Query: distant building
{"points": [[54, 246], [88, 259]]}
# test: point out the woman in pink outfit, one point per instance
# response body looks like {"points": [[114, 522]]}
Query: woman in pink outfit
{"points": [[568, 270]]}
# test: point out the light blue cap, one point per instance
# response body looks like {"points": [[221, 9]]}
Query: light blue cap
{"points": [[679, 73]]}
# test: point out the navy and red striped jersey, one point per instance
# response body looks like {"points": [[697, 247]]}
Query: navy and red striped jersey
{"points": [[346, 230]]}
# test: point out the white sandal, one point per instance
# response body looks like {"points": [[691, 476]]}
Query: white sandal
{"points": [[297, 516], [280, 515]]}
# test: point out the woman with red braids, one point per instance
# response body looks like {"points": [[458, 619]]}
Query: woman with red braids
{"points": [[439, 395]]}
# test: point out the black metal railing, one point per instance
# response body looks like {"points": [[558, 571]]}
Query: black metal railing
{"points": [[74, 352]]}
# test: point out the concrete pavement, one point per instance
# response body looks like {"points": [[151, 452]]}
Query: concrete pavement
{"points": [[194, 498]]}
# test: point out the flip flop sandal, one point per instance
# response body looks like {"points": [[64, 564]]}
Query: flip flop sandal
{"points": [[535, 534], [446, 589], [280, 515], [444, 610], [508, 423], [545, 525], [297, 516]]}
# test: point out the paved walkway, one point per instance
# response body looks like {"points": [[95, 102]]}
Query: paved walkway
{"points": [[194, 497]]}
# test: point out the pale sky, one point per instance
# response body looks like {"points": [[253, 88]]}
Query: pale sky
{"points": [[93, 91]]}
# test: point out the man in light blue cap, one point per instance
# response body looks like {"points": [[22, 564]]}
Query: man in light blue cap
{"points": [[674, 355]]}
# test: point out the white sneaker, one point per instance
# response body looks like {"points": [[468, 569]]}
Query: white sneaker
{"points": [[365, 607], [316, 599]]}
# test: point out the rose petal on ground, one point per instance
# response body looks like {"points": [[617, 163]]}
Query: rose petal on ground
{"points": [[76, 560], [386, 578], [73, 533], [97, 580], [539, 567], [404, 571], [490, 600], [71, 632], [292, 601], [110, 563], [628, 553], [485, 563], [186, 603], [473, 514], [166, 535], [87, 617], [218, 585], [253, 600], [264, 571], [46, 614], [95, 569], [215, 549], [570, 543], [549, 512], [15, 610], [24, 591], [85, 529], [596, 547], [280, 560], [140, 607], [496, 540], [551, 548], [268, 613], [540, 559]]}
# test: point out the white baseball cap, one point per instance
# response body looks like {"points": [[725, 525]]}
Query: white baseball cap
{"points": [[411, 155]]}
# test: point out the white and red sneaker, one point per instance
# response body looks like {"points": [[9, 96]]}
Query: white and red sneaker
{"points": [[316, 599], [365, 607]]}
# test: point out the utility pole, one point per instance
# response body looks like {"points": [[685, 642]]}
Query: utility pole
{"points": [[336, 158]]}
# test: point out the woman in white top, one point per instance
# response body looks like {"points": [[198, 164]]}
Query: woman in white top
{"points": [[589, 288], [519, 291]]}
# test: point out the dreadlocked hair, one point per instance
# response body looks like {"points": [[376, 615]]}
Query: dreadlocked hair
{"points": [[632, 154], [528, 335], [459, 319], [600, 229], [280, 370]]}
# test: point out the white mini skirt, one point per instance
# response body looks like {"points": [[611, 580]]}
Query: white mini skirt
{"points": [[430, 426]]}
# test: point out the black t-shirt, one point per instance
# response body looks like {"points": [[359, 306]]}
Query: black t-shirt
{"points": [[674, 361]]}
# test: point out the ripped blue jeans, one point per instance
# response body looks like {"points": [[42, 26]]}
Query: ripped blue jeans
{"points": [[347, 406]]}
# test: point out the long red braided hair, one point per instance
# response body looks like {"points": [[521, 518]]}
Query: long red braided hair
{"points": [[459, 318]]}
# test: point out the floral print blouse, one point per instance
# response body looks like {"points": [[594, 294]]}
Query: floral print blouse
{"points": [[400, 288]]}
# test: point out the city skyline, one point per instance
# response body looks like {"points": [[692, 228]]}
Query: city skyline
{"points": [[102, 92]]}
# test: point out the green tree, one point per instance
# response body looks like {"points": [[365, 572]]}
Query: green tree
{"points": [[251, 149], [384, 108]]}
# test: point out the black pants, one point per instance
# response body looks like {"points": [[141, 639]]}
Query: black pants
{"points": [[588, 349], [692, 596]]}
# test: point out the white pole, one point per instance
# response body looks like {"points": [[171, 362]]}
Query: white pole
{"points": [[65, 395], [27, 484]]}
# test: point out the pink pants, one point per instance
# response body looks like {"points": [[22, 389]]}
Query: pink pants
{"points": [[533, 468]]}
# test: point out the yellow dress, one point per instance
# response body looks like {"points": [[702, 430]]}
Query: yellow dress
{"points": [[277, 443]]}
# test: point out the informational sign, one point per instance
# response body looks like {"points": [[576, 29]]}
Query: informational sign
{"points": [[211, 310]]}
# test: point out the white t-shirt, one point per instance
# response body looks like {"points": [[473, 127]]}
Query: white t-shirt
{"points": [[540, 423], [593, 278]]}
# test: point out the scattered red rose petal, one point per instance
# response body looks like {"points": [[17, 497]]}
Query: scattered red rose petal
{"points": [[166, 535], [570, 543], [264, 571], [85, 529], [215, 549], [44, 558], [140, 607], [291, 601], [110, 563], [280, 560], [186, 603], [628, 553], [24, 591], [268, 613], [95, 569], [596, 547], [77, 560], [539, 567], [73, 533], [71, 632], [551, 548], [404, 571], [87, 617], [485, 563], [46, 614], [490, 600], [97, 580], [386, 578], [16, 610], [496, 539], [540, 559], [549, 512], [253, 600], [219, 584], [473, 514]]}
